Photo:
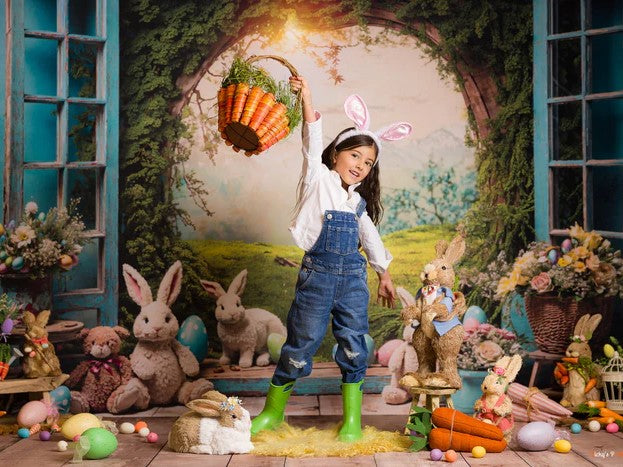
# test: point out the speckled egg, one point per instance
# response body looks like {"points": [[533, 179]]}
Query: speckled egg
{"points": [[102, 443], [274, 342], [594, 426], [144, 432], [61, 397], [536, 436], [193, 334], [126, 428], [566, 245], [575, 428], [31, 413], [562, 446]]}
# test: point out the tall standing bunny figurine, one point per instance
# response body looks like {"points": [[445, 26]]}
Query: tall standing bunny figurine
{"points": [[582, 373], [495, 406], [159, 361], [39, 356]]}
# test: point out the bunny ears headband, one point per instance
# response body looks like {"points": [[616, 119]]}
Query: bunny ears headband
{"points": [[356, 110]]}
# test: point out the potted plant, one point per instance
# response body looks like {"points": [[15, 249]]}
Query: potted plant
{"points": [[35, 248], [561, 283], [482, 346]]}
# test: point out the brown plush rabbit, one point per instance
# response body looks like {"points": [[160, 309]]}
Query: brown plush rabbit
{"points": [[39, 356], [579, 364]]}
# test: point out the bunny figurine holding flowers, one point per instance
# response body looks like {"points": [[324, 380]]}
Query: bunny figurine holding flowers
{"points": [[495, 406], [39, 356]]}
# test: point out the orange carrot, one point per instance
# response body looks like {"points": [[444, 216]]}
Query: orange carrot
{"points": [[445, 417], [442, 438], [557, 374], [563, 369], [263, 107], [570, 359], [596, 404], [222, 108], [4, 370], [590, 385], [605, 412], [276, 112], [279, 136], [602, 420], [229, 103], [274, 129], [255, 94], [564, 380], [242, 91]]}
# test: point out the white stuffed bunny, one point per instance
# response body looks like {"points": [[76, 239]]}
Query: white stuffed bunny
{"points": [[495, 406], [216, 425], [159, 361], [243, 332]]}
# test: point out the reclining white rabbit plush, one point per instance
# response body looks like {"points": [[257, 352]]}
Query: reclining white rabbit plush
{"points": [[216, 424], [243, 332], [159, 362]]}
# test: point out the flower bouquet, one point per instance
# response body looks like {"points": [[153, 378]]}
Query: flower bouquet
{"points": [[484, 344], [561, 283], [41, 243]]}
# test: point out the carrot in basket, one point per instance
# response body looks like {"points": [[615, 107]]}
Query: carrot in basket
{"points": [[275, 138], [445, 417], [263, 108], [570, 359], [590, 385], [242, 91], [274, 129], [605, 412], [444, 439], [276, 113], [230, 91], [255, 94], [222, 108]]}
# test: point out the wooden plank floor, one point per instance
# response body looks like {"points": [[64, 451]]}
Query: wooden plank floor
{"points": [[600, 449]]}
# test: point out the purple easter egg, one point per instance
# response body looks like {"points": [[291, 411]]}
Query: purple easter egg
{"points": [[3, 268], [7, 326], [44, 435], [436, 455], [566, 245]]}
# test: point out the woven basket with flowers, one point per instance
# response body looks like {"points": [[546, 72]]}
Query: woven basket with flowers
{"points": [[254, 110]]}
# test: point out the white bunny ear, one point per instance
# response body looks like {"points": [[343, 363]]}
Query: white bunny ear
{"points": [[171, 284], [395, 131], [137, 286], [356, 110]]}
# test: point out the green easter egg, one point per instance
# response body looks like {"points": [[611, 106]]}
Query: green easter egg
{"points": [[8, 261], [3, 255], [102, 443]]}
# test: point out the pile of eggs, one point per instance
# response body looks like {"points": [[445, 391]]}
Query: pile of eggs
{"points": [[449, 456], [141, 428]]}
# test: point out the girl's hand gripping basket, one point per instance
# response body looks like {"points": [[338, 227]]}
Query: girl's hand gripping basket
{"points": [[255, 111]]}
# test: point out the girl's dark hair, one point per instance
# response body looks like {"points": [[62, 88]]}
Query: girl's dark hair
{"points": [[370, 188]]}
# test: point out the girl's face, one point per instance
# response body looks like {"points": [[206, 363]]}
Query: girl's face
{"points": [[354, 164]]}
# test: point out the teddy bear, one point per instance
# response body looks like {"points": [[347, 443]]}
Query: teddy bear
{"points": [[103, 372]]}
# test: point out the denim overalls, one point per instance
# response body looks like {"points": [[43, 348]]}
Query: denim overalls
{"points": [[332, 279]]}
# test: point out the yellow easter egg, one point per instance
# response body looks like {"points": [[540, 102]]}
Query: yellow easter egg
{"points": [[478, 452], [66, 261], [78, 424], [562, 445]]}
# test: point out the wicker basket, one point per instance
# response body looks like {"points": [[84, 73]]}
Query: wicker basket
{"points": [[553, 319], [260, 122]]}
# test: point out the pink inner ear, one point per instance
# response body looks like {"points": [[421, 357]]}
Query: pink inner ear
{"points": [[395, 131], [134, 289], [174, 283], [356, 110]]}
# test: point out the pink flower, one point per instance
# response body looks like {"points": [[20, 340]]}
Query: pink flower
{"points": [[489, 351], [542, 283]]}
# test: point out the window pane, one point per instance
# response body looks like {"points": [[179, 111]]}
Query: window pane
{"points": [[82, 184], [566, 75], [84, 274], [40, 15], [565, 16], [40, 132], [567, 131], [606, 120], [607, 198], [567, 198], [41, 186], [81, 132], [40, 66], [82, 69], [606, 69], [605, 13], [82, 17]]}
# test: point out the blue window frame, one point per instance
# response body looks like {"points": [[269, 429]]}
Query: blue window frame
{"points": [[62, 63], [578, 117]]}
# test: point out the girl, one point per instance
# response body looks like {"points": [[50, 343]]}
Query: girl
{"points": [[337, 208]]}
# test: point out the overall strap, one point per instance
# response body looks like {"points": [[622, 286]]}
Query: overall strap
{"points": [[361, 207]]}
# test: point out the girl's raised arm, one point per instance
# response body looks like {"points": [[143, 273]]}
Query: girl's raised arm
{"points": [[298, 83]]}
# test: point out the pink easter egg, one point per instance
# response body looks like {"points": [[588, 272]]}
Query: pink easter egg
{"points": [[3, 268], [470, 324], [152, 437], [612, 427]]}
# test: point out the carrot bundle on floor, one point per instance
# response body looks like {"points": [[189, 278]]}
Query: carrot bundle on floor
{"points": [[445, 417], [444, 439]]}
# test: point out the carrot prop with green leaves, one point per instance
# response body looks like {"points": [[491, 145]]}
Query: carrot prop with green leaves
{"points": [[445, 417], [444, 439]]}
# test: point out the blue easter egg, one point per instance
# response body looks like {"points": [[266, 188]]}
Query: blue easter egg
{"points": [[193, 334], [2, 239], [475, 312], [575, 428], [3, 255], [369, 345], [553, 255], [18, 263], [23, 432], [566, 245], [61, 398]]}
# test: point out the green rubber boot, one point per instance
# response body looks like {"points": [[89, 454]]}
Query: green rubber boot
{"points": [[273, 413], [352, 396]]}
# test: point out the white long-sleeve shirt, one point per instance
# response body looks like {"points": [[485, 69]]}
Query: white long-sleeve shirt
{"points": [[322, 191]]}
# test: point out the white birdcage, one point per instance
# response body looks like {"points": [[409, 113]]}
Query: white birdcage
{"points": [[612, 376]]}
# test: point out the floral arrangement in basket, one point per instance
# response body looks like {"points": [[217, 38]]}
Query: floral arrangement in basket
{"points": [[584, 265], [483, 345], [255, 111], [42, 243]]}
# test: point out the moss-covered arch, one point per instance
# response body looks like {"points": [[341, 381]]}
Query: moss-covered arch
{"points": [[164, 42]]}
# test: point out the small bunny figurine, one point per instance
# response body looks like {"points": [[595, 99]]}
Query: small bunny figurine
{"points": [[579, 364], [39, 356], [216, 424], [495, 406], [159, 361], [243, 332]]}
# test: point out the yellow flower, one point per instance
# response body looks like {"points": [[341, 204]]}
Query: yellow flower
{"points": [[579, 266], [564, 261], [592, 262], [577, 232], [506, 285], [579, 252], [525, 259], [517, 277], [592, 240]]}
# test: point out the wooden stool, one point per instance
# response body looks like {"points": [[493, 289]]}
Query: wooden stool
{"points": [[432, 398], [538, 356]]}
